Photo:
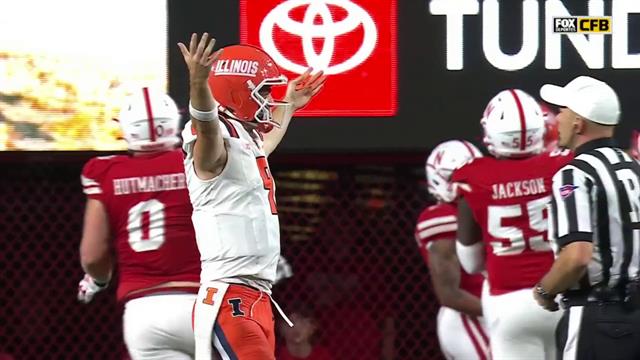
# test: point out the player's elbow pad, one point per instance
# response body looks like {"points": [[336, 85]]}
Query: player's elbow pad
{"points": [[471, 257]]}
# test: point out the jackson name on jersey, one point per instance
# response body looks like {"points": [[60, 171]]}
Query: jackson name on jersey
{"points": [[508, 199]]}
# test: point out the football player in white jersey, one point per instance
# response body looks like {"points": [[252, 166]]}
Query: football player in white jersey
{"points": [[227, 143]]}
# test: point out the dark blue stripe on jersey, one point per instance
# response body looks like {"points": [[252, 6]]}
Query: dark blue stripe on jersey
{"points": [[602, 211]]}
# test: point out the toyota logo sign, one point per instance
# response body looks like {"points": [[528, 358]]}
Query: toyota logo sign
{"points": [[353, 41], [327, 30]]}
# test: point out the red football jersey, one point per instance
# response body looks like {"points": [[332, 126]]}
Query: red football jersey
{"points": [[149, 211], [509, 198], [440, 222]]}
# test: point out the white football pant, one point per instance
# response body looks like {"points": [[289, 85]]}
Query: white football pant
{"points": [[159, 327], [462, 336], [518, 327]]}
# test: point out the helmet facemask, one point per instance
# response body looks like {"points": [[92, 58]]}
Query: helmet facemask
{"points": [[264, 114], [240, 80], [442, 162], [439, 184]]}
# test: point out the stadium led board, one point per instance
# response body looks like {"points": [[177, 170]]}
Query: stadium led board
{"points": [[403, 75], [66, 65], [451, 58], [354, 42]]}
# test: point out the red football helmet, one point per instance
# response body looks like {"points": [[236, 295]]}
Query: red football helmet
{"points": [[236, 81], [551, 135], [635, 145]]}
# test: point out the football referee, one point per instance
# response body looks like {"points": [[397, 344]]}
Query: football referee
{"points": [[594, 222]]}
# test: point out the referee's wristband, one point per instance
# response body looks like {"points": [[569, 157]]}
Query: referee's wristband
{"points": [[543, 293], [211, 115]]}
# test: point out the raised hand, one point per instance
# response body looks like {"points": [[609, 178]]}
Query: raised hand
{"points": [[199, 56], [301, 89]]}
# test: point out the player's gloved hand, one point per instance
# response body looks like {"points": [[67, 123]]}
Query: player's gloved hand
{"points": [[88, 288]]}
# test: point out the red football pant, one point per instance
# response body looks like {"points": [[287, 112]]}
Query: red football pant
{"points": [[244, 327]]}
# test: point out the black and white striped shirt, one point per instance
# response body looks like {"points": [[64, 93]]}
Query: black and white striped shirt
{"points": [[596, 198]]}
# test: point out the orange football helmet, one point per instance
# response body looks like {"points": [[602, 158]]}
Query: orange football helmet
{"points": [[240, 81]]}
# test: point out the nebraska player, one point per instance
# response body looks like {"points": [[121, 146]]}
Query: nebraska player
{"points": [[503, 203], [460, 327], [233, 192], [139, 204]]}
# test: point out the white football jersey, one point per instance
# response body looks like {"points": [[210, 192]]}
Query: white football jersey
{"points": [[234, 214]]}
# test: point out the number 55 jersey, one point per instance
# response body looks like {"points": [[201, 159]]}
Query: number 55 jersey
{"points": [[150, 219], [508, 198], [234, 213]]}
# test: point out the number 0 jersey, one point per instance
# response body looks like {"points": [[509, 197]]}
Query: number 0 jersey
{"points": [[509, 198], [149, 216], [234, 214]]}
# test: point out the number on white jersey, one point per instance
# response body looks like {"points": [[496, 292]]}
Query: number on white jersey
{"points": [[146, 226], [267, 181], [537, 223]]}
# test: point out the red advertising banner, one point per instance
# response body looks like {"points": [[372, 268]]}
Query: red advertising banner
{"points": [[353, 41]]}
